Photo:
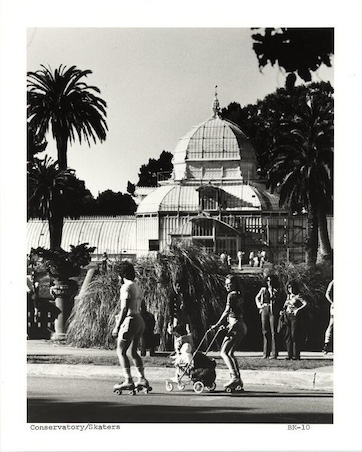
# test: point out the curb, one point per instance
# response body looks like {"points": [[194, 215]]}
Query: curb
{"points": [[310, 380]]}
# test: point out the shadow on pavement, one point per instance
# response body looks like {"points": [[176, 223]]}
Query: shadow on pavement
{"points": [[51, 410]]}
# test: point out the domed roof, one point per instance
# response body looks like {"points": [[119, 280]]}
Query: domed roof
{"points": [[218, 146]]}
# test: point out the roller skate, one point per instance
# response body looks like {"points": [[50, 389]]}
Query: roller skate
{"points": [[142, 385], [234, 385], [125, 386]]}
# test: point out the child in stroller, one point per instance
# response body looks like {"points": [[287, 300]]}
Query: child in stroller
{"points": [[184, 348], [203, 369], [197, 367]]}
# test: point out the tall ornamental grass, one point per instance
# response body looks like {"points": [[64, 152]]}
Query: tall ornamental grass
{"points": [[202, 282], [202, 277], [92, 318]]}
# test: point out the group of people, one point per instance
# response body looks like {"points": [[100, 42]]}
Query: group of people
{"points": [[257, 258], [129, 327], [286, 319], [226, 259], [130, 324], [275, 317]]}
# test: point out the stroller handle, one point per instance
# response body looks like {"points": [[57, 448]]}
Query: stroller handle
{"points": [[221, 327]]}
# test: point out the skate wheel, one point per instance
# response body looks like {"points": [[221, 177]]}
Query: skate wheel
{"points": [[198, 387], [181, 386], [228, 390], [132, 392], [212, 387], [117, 391], [239, 388], [169, 386], [149, 389]]}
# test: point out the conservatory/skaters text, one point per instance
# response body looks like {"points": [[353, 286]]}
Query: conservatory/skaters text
{"points": [[80, 427]]}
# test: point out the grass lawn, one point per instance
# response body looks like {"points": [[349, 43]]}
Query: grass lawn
{"points": [[246, 363]]}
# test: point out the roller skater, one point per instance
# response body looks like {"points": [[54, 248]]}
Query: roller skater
{"points": [[129, 386], [235, 384], [129, 329], [142, 385], [236, 331]]}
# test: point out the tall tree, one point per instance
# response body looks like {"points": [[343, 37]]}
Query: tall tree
{"points": [[67, 104], [52, 194], [35, 143], [299, 51], [262, 121], [149, 173], [302, 169], [113, 204]]}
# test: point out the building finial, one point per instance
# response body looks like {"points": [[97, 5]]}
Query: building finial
{"points": [[216, 105]]}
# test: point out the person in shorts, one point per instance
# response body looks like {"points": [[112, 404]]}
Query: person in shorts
{"points": [[236, 329], [129, 327]]}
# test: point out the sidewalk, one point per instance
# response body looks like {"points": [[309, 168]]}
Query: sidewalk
{"points": [[313, 379]]}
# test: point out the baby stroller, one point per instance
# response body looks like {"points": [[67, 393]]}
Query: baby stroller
{"points": [[197, 368]]}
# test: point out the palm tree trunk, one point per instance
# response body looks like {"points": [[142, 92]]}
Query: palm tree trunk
{"points": [[311, 245], [324, 242], [62, 151], [55, 222]]}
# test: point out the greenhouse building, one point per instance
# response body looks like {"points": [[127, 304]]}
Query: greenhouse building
{"points": [[213, 198]]}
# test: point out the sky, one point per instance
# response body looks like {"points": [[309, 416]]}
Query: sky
{"points": [[157, 82]]}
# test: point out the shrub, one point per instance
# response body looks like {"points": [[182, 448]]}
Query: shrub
{"points": [[59, 262], [202, 283], [201, 277], [92, 319]]}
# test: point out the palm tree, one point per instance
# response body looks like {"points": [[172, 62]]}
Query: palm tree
{"points": [[35, 144], [66, 103], [302, 168], [52, 194]]}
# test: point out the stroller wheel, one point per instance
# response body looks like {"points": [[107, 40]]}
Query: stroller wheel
{"points": [[169, 386], [211, 387], [198, 387], [181, 386]]}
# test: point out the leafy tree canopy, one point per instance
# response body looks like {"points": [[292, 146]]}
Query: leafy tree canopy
{"points": [[62, 101], [148, 173], [299, 51], [110, 203], [263, 121], [36, 143]]}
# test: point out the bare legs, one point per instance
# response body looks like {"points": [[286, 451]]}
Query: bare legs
{"points": [[229, 345]]}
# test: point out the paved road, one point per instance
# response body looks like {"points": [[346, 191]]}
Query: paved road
{"points": [[62, 399]]}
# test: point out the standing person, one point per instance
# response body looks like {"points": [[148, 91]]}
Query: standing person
{"points": [[266, 302], [147, 341], [292, 306], [180, 324], [236, 330], [223, 258], [129, 328], [228, 259], [240, 259], [262, 258], [32, 292], [104, 262], [251, 258], [329, 330]]}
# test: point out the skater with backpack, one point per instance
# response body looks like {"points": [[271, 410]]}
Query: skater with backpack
{"points": [[236, 331], [128, 330]]}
